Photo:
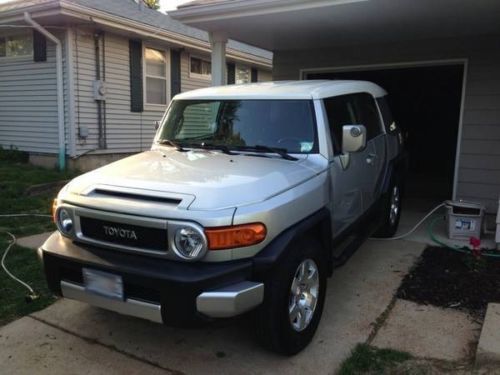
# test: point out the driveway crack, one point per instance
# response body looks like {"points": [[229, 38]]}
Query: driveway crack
{"points": [[379, 322], [108, 346]]}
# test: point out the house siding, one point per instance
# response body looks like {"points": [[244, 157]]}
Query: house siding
{"points": [[28, 102], [479, 159], [126, 131]]}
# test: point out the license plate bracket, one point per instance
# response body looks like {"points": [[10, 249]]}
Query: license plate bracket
{"points": [[103, 283]]}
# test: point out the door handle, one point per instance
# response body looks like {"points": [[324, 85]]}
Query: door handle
{"points": [[370, 159]]}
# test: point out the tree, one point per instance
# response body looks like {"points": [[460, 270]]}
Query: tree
{"points": [[153, 4]]}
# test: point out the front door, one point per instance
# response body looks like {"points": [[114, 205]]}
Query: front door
{"points": [[367, 114], [356, 176]]}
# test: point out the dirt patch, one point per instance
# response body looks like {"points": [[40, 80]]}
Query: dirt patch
{"points": [[49, 187], [446, 278]]}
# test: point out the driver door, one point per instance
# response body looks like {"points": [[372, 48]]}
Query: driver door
{"points": [[350, 175]]}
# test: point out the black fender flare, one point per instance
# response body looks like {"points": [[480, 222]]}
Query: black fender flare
{"points": [[318, 225]]}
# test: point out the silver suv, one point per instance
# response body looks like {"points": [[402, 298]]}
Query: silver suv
{"points": [[249, 198]]}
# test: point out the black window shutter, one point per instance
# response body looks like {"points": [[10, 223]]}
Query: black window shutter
{"points": [[231, 73], [39, 47], [255, 75], [136, 93], [175, 72]]}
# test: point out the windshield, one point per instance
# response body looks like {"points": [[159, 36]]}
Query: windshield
{"points": [[284, 124]]}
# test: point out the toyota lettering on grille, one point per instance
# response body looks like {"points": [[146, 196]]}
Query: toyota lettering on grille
{"points": [[119, 232]]}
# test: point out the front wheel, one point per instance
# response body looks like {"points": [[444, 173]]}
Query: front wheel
{"points": [[293, 302]]}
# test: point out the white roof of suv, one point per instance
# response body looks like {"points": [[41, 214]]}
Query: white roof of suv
{"points": [[311, 89]]}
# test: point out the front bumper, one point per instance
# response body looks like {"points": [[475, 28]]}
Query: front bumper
{"points": [[160, 290]]}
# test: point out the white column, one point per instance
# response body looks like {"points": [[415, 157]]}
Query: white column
{"points": [[218, 41]]}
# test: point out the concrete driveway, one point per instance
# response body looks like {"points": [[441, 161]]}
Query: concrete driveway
{"points": [[71, 337]]}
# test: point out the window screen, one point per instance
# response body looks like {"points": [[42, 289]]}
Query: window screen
{"points": [[156, 76], [16, 45], [200, 68]]}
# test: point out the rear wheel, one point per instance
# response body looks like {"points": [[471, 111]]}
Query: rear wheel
{"points": [[293, 302], [392, 211]]}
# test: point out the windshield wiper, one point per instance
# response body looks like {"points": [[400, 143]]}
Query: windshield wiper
{"points": [[211, 146], [168, 142], [283, 152]]}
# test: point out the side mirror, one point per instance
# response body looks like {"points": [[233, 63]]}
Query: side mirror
{"points": [[353, 138], [157, 124]]}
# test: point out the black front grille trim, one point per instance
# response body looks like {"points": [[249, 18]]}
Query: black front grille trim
{"points": [[124, 234]]}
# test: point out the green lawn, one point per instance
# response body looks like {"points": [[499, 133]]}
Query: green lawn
{"points": [[366, 359], [15, 179]]}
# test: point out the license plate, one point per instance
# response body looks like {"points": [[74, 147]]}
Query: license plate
{"points": [[103, 283]]}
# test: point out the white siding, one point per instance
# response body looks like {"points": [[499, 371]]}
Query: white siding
{"points": [[264, 76], [28, 102], [479, 165], [126, 131]]}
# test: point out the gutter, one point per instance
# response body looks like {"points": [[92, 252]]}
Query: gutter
{"points": [[59, 80], [244, 8]]}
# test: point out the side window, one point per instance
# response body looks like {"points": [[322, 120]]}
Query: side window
{"points": [[367, 114], [340, 111]]}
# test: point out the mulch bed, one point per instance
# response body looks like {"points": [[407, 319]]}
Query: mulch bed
{"points": [[446, 278]]}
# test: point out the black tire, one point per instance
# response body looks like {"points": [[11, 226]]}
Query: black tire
{"points": [[273, 323], [390, 222]]}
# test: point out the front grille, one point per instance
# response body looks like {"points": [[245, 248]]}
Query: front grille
{"points": [[124, 234]]}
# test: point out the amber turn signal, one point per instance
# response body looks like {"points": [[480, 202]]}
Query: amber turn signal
{"points": [[235, 236]]}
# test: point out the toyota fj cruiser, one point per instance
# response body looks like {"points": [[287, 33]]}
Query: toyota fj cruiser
{"points": [[248, 199]]}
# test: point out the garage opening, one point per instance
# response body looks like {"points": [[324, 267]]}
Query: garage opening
{"points": [[426, 104]]}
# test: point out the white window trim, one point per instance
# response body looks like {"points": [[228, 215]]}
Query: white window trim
{"points": [[20, 57], [166, 52], [196, 75]]}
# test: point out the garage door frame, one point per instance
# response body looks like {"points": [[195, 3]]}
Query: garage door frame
{"points": [[303, 73]]}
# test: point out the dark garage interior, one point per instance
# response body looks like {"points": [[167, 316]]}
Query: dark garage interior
{"points": [[426, 104]]}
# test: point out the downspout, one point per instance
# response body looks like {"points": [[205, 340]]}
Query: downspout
{"points": [[59, 81]]}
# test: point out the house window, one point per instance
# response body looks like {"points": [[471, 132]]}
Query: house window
{"points": [[16, 45], [242, 74], [200, 68], [156, 76]]}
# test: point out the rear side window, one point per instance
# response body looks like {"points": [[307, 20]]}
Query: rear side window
{"points": [[387, 118], [367, 114]]}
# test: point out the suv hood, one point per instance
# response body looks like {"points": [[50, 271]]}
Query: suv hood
{"points": [[214, 180]]}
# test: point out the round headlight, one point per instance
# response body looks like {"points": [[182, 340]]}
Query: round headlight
{"points": [[64, 221], [190, 243]]}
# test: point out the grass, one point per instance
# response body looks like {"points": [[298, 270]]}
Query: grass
{"points": [[24, 264], [15, 178], [366, 359]]}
